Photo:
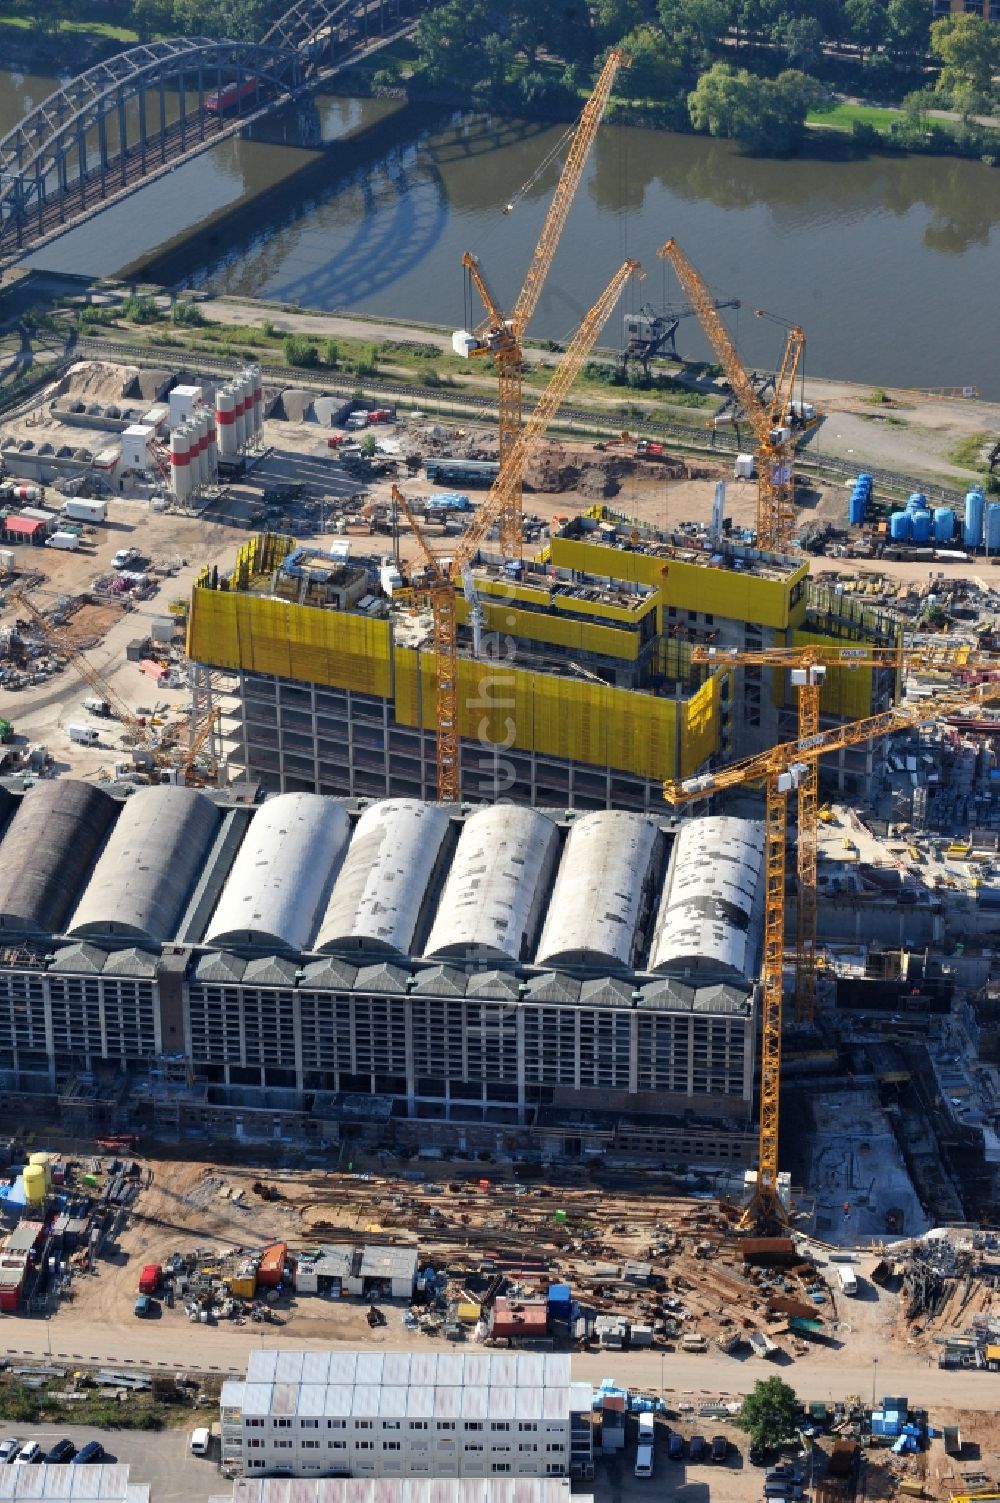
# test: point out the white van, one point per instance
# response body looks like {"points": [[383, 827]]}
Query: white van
{"points": [[201, 1442], [644, 1461], [647, 1429], [87, 735]]}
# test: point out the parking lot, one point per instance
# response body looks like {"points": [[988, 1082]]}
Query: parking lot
{"points": [[684, 1481], [160, 1458]]}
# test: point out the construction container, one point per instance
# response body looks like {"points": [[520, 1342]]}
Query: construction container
{"points": [[150, 1278], [944, 524], [899, 526], [468, 1312], [993, 527], [243, 1287], [85, 511], [271, 1268], [975, 511]]}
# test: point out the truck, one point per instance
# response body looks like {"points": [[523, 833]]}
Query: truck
{"points": [[85, 735], [201, 1441], [63, 539], [150, 1278], [762, 1344], [79, 510], [848, 1280], [647, 1429], [97, 707]]}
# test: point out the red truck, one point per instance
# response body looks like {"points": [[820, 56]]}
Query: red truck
{"points": [[150, 1278]]}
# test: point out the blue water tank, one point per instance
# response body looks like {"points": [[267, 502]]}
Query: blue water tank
{"points": [[993, 527], [856, 510], [865, 479], [916, 501], [975, 508], [899, 526], [923, 525], [944, 524]]}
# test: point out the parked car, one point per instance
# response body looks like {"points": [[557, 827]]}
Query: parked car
{"points": [[675, 1446], [30, 1452], [61, 1452], [720, 1448], [9, 1449], [697, 1448], [143, 1306], [92, 1452]]}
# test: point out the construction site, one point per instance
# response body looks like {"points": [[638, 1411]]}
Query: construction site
{"points": [[481, 876]]}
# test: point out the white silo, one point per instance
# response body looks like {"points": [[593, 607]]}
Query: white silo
{"points": [[201, 424], [180, 465], [225, 420], [258, 398], [213, 447], [244, 407]]}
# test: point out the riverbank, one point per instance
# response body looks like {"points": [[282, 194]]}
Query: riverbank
{"points": [[936, 438]]}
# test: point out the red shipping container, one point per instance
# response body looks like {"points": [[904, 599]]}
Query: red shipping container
{"points": [[272, 1265]]}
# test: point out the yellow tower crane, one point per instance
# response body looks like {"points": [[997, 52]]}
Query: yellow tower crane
{"points": [[781, 770], [442, 582], [770, 422], [809, 666], [499, 336]]}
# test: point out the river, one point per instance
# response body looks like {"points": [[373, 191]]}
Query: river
{"points": [[889, 263]]}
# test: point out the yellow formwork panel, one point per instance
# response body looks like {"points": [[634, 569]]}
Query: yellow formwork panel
{"points": [[232, 630], [611, 612], [700, 725], [509, 589], [735, 594], [501, 705], [847, 692], [537, 626]]}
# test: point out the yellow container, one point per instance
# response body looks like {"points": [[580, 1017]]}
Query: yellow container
{"points": [[468, 1312], [243, 1288], [43, 1161], [34, 1184]]}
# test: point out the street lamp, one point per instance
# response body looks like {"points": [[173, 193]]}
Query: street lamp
{"points": [[874, 1378]]}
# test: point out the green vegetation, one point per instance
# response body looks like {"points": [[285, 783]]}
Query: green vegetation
{"points": [[967, 453], [836, 115], [770, 1411], [29, 1406]]}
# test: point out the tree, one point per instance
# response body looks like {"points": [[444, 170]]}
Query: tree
{"points": [[767, 115], [866, 23], [614, 19], [655, 67], [696, 27], [770, 1412], [908, 26], [802, 39], [450, 42], [969, 49]]}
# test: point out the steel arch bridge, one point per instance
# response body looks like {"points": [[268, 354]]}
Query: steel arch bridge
{"points": [[124, 122]]}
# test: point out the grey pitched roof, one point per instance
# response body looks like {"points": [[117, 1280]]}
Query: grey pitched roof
{"points": [[554, 988], [220, 967], [270, 970], [380, 978], [329, 975], [667, 994], [82, 959], [607, 991], [131, 962], [500, 985], [440, 981]]}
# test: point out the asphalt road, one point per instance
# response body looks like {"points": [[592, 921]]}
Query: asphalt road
{"points": [[158, 1457], [825, 1374]]}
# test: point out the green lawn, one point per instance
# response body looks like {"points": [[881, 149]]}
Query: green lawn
{"points": [[85, 28], [838, 116]]}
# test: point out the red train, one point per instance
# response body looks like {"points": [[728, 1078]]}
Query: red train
{"points": [[230, 97]]}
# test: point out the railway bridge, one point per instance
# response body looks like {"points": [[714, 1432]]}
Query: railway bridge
{"points": [[127, 121]]}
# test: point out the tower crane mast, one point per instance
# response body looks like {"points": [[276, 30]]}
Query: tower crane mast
{"points": [[501, 336], [442, 583], [809, 666], [775, 451], [781, 770]]}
